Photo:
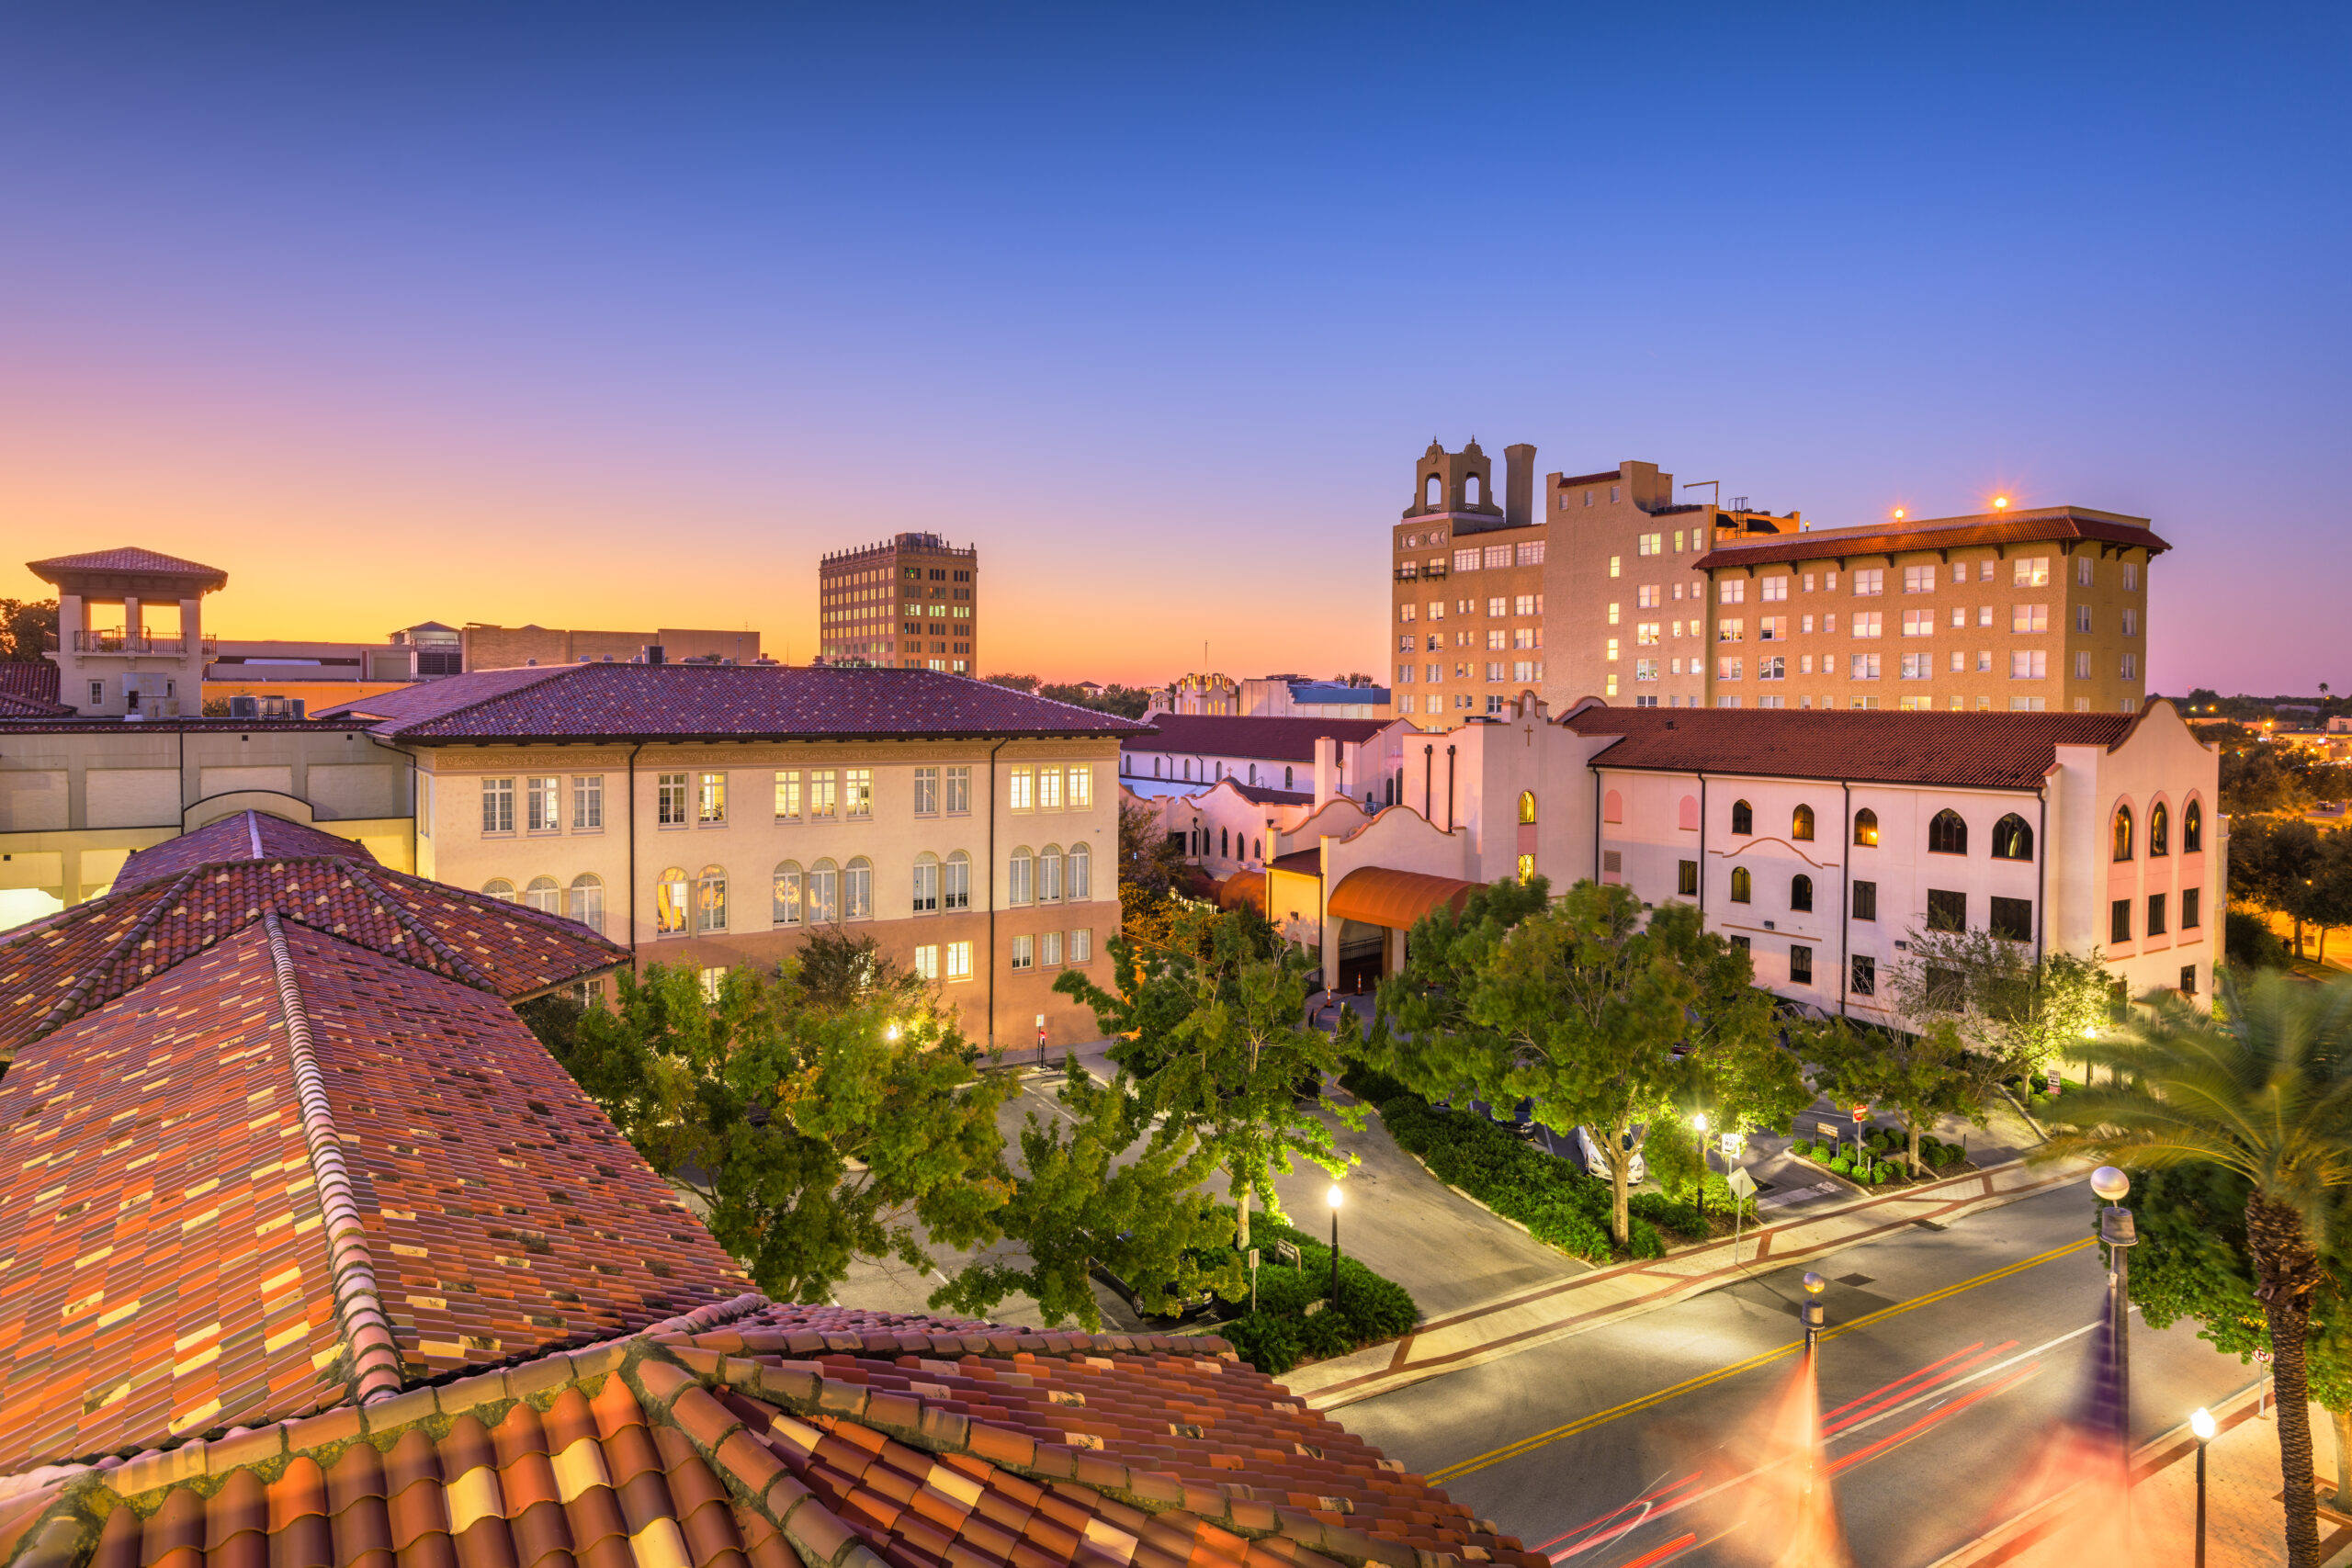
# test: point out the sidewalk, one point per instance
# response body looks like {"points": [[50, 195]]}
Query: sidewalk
{"points": [[1523, 1320], [2244, 1521]]}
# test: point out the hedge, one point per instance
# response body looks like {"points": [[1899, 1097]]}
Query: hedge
{"points": [[1276, 1337]]}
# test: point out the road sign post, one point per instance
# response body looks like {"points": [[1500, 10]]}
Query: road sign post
{"points": [[1742, 1186]]}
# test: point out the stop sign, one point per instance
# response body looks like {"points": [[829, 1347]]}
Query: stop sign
{"points": [[1861, 1113]]}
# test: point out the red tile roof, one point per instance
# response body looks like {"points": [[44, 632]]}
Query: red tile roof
{"points": [[750, 1436], [2039, 526], [1990, 750], [1232, 735], [128, 559], [694, 702], [28, 689], [87, 955], [247, 835], [219, 1179]]}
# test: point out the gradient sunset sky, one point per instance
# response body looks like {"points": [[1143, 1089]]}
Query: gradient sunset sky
{"points": [[602, 316]]}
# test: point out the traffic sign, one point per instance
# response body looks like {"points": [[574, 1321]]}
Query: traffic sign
{"points": [[1742, 1185], [1861, 1113], [1734, 1145]]}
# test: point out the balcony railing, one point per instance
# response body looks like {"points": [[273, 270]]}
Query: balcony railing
{"points": [[1409, 574], [120, 642]]}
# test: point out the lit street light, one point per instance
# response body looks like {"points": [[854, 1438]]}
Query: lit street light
{"points": [[1335, 1242], [1816, 1315], [2203, 1426], [2115, 1228]]}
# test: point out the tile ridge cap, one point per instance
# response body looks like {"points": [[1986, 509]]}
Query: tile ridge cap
{"points": [[252, 833], [460, 965], [374, 1367], [76, 1002]]}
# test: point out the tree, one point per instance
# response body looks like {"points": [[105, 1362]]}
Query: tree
{"points": [[1422, 1020], [1922, 1075], [835, 969], [1213, 1026], [2015, 1013], [2263, 1088], [2325, 899], [813, 1130], [1734, 1066], [1016, 683], [1127, 701], [27, 629], [1084, 1200], [2270, 862]]}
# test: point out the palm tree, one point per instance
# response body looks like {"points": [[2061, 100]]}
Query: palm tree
{"points": [[2262, 1087]]}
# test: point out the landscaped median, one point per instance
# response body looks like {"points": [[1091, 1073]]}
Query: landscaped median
{"points": [[1296, 1319]]}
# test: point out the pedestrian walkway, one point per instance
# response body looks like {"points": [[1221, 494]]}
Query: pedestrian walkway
{"points": [[1522, 1320], [2245, 1520]]}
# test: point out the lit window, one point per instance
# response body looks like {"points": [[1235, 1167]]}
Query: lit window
{"points": [[1022, 783], [927, 963], [2030, 571], [959, 961], [1611, 654], [1868, 624], [671, 900], [785, 894], [857, 793], [710, 800], [823, 905]]}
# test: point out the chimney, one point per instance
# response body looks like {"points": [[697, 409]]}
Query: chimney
{"points": [[1327, 768], [1518, 485]]}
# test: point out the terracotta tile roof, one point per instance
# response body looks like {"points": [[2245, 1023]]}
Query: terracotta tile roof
{"points": [[87, 955], [1306, 863], [127, 558], [28, 689], [1259, 794], [787, 1436], [691, 702], [185, 1158], [247, 835], [2039, 526], [1232, 735], [1988, 751]]}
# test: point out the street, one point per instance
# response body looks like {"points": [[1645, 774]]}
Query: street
{"points": [[1952, 1356]]}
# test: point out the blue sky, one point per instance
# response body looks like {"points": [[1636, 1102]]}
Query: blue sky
{"points": [[620, 316]]}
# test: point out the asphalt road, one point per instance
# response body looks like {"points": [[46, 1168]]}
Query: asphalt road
{"points": [[1626, 1446]]}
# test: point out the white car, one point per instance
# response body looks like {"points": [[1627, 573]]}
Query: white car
{"points": [[1589, 1155]]}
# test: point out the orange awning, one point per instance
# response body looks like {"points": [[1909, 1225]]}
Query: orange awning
{"points": [[1375, 896], [1242, 887]]}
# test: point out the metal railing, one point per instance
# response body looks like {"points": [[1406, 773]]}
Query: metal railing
{"points": [[122, 642]]}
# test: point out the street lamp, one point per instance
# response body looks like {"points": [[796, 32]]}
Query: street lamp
{"points": [[2201, 1424], [1816, 1316], [2115, 1228], [1334, 1200], [1699, 1121]]}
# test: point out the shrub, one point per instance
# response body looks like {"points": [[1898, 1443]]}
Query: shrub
{"points": [[1802, 1148], [1372, 1085], [1667, 1214], [1272, 1338], [2250, 944], [1267, 1342], [1842, 1165], [1645, 1241]]}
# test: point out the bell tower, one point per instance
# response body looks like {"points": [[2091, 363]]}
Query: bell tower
{"points": [[1454, 481], [130, 639]]}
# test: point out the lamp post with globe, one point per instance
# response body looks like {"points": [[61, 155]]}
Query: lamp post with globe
{"points": [[2115, 1228]]}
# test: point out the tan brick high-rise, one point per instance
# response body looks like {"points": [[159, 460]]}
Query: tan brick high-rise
{"points": [[912, 602]]}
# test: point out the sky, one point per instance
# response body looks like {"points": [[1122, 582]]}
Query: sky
{"points": [[613, 316]]}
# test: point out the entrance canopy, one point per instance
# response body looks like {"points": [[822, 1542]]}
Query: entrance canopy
{"points": [[1376, 896]]}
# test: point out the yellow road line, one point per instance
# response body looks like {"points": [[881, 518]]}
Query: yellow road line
{"points": [[1689, 1385]]}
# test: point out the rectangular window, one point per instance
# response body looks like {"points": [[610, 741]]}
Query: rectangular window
{"points": [[1800, 965], [2029, 618], [788, 795], [1532, 637], [2083, 665], [2191, 898], [1727, 667], [1864, 981], [1495, 671], [1052, 944], [1773, 628], [927, 961], [1049, 788], [2156, 914], [1774, 589], [926, 791], [2131, 577], [1866, 900], [1498, 639], [2119, 920], [2189, 979], [857, 793], [1495, 607], [959, 960], [1648, 544], [1686, 878], [1081, 946], [1465, 560], [2082, 618], [1081, 795], [1020, 781], [1612, 650], [1947, 911], [671, 800], [2029, 664], [1868, 624], [1863, 666], [498, 806], [1024, 952], [1919, 622], [2013, 919], [1732, 591], [1526, 670], [543, 806], [824, 795], [1532, 604], [1918, 666], [1528, 555], [588, 803], [1773, 668], [710, 800], [2130, 667], [2030, 571], [1498, 556], [1869, 581], [1918, 579], [1731, 628]]}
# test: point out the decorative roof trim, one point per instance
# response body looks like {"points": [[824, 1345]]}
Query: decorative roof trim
{"points": [[69, 1006], [374, 1368]]}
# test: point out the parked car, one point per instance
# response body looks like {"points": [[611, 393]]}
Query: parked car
{"points": [[1589, 1155], [1200, 1305]]}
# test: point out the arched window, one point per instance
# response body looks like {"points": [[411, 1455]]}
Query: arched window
{"points": [[1223, 844], [1616, 812], [1946, 833], [1050, 875], [1613, 807], [670, 902], [1801, 823], [784, 903], [543, 894], [1155, 765], [500, 888], [926, 884], [824, 900], [1019, 874], [857, 890], [1686, 817], [2192, 828], [2012, 838], [1079, 873], [1472, 489], [710, 899], [1432, 494], [1743, 818], [1286, 774], [956, 885], [1742, 885], [1800, 893], [2159, 830], [2122, 833], [1866, 828], [587, 901], [1125, 765]]}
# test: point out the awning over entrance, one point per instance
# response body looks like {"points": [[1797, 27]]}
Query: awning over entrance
{"points": [[1242, 887], [1376, 896]]}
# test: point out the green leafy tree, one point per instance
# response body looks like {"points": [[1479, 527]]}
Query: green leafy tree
{"points": [[1423, 1015], [2016, 1014], [812, 1130], [1112, 1190], [1213, 1026], [1734, 1069], [2325, 899], [1013, 683], [27, 629], [2271, 863], [2263, 1088], [1923, 1075]]}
